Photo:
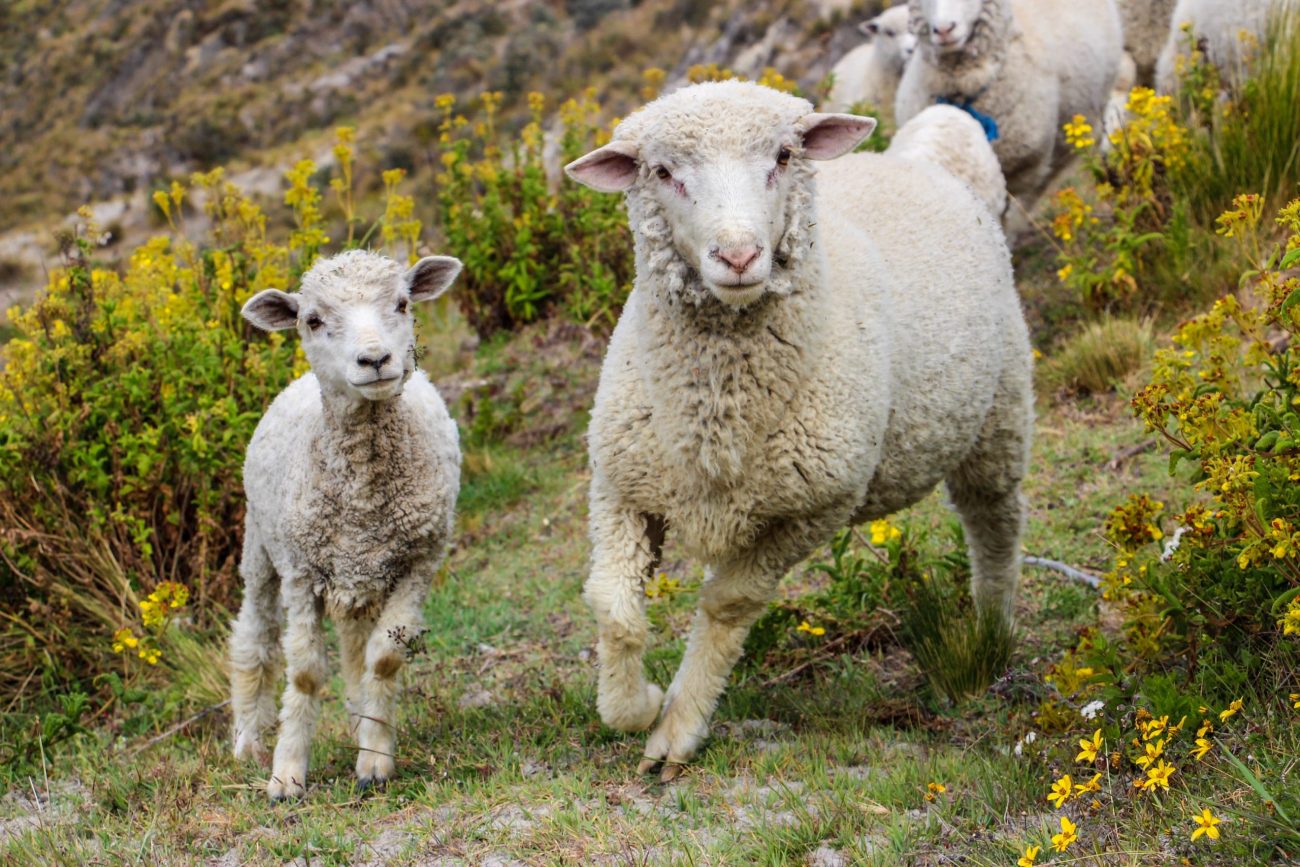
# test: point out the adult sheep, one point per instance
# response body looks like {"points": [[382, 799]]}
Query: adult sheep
{"points": [[1228, 31], [790, 361], [870, 73], [351, 479], [1146, 24], [953, 140], [1023, 68]]}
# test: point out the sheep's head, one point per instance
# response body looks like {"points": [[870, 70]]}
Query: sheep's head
{"points": [[353, 315], [946, 25], [891, 33], [725, 164]]}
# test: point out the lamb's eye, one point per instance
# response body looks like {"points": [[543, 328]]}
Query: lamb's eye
{"points": [[783, 157], [314, 322], [663, 174], [401, 307]]}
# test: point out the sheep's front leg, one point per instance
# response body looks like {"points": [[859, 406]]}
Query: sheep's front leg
{"points": [[255, 660], [396, 632], [733, 596], [354, 633], [626, 546], [304, 653]]}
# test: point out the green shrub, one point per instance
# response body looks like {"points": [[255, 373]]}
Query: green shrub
{"points": [[126, 402], [1102, 354], [529, 250]]}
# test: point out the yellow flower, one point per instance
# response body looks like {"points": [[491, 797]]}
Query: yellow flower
{"points": [[124, 638], [1089, 747], [1290, 621], [1062, 841], [1202, 747], [1295, 697], [1207, 824], [663, 587], [882, 531], [1205, 729], [1232, 710], [1029, 858], [1078, 132], [1061, 790], [805, 626], [1093, 785], [150, 654], [1153, 752], [1159, 776]]}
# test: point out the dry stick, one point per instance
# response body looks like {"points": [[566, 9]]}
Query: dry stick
{"points": [[803, 665], [174, 729], [1065, 569]]}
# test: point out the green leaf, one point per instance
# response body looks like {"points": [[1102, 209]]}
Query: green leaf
{"points": [[1290, 302], [1283, 600], [1291, 258], [1177, 456], [1254, 782], [1265, 443]]}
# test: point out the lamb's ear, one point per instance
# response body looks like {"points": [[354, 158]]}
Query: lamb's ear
{"points": [[869, 29], [431, 276], [272, 310], [610, 169], [827, 136]]}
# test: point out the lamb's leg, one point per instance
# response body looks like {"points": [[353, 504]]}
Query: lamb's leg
{"points": [[304, 651], [985, 490], [626, 547], [255, 659], [733, 596], [396, 632], [353, 632]]}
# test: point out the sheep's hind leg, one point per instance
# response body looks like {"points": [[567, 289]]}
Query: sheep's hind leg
{"points": [[255, 659], [985, 490], [732, 598], [304, 651], [626, 546]]}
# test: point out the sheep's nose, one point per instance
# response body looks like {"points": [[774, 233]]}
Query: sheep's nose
{"points": [[374, 359], [943, 30], [739, 258]]}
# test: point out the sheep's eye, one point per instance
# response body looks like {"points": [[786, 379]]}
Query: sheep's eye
{"points": [[663, 173], [401, 307], [314, 322], [783, 157], [890, 34]]}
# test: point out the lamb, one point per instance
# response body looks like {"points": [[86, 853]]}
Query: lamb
{"points": [[953, 140], [1146, 24], [1023, 68], [793, 358], [870, 73], [1227, 30], [351, 478]]}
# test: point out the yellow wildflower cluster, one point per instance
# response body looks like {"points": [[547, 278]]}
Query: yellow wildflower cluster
{"points": [[1078, 132], [662, 587], [934, 790], [883, 532], [805, 626], [770, 77], [155, 611]]}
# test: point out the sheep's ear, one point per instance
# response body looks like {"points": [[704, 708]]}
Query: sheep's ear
{"points": [[610, 169], [869, 29], [431, 276], [272, 310], [827, 136]]}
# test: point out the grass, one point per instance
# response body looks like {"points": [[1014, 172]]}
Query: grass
{"points": [[1100, 355]]}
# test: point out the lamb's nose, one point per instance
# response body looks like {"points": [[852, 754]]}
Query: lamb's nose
{"points": [[944, 29], [739, 258], [374, 359]]}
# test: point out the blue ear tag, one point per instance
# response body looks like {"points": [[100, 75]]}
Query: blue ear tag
{"points": [[986, 122]]}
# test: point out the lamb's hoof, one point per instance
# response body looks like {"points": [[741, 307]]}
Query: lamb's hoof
{"points": [[277, 791], [247, 747], [648, 765], [365, 784], [671, 771], [634, 716]]}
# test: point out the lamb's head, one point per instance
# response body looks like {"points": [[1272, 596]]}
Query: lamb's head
{"points": [[353, 314], [725, 166], [946, 26], [891, 33]]}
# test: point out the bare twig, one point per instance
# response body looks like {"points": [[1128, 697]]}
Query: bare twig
{"points": [[820, 657], [1131, 452], [156, 739], [1065, 569]]}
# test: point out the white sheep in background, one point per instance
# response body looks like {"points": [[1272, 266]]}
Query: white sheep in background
{"points": [[953, 140], [1146, 25], [1023, 68], [351, 478], [793, 359], [1230, 31], [870, 73]]}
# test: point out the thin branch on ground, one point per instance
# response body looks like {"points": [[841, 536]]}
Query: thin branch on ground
{"points": [[157, 739], [1065, 569]]}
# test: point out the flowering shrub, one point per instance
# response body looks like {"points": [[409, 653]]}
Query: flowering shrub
{"points": [[529, 249], [126, 400]]}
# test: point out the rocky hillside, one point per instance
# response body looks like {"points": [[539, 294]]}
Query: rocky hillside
{"points": [[102, 101]]}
